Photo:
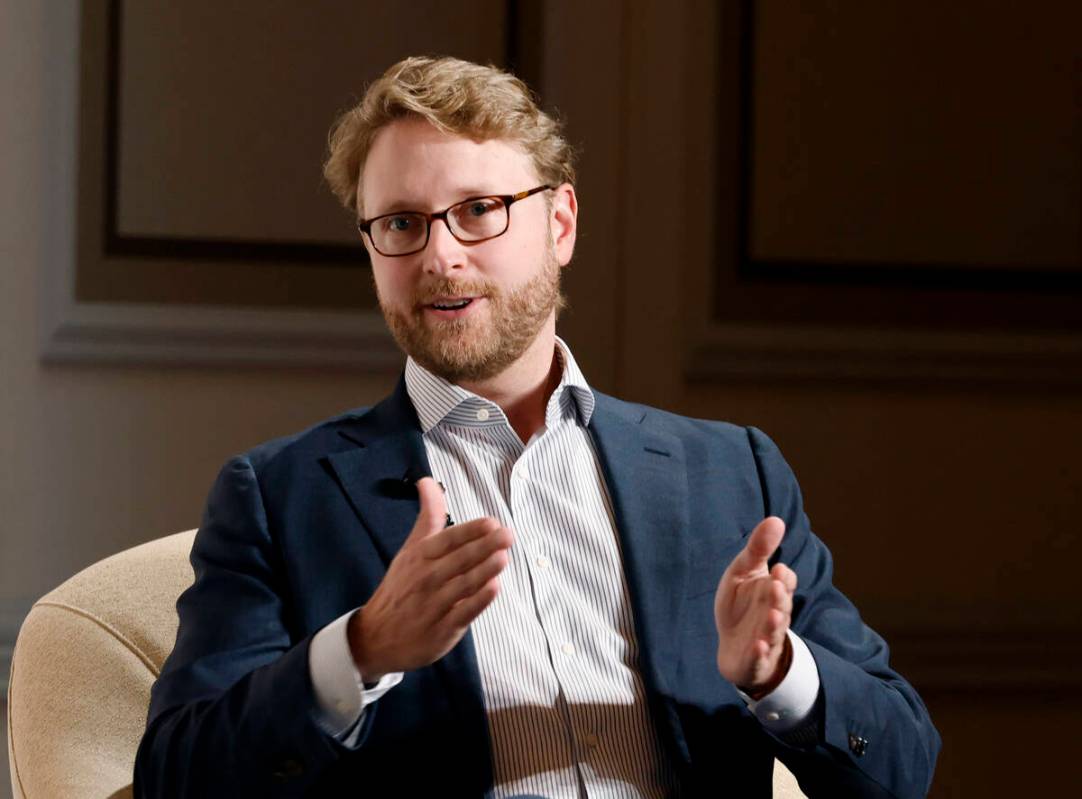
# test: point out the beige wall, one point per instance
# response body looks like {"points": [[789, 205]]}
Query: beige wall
{"points": [[95, 459], [951, 508]]}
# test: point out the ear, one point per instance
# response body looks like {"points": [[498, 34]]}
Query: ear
{"points": [[563, 222], [365, 238], [367, 244]]}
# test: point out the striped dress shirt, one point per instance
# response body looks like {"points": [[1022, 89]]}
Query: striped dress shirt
{"points": [[556, 648]]}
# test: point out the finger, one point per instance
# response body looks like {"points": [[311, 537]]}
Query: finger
{"points": [[766, 597], [779, 598], [454, 537], [776, 625], [762, 542], [767, 603], [460, 615], [467, 557], [433, 515], [786, 575], [469, 582]]}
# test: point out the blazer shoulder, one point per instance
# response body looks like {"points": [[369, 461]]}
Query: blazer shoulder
{"points": [[321, 437], [739, 449], [687, 428]]}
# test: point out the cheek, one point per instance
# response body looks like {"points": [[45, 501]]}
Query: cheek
{"points": [[392, 284], [514, 256]]}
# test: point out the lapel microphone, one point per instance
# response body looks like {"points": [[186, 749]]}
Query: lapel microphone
{"points": [[443, 488], [407, 488]]}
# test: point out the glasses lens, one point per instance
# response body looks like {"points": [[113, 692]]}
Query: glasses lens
{"points": [[475, 220], [399, 233]]}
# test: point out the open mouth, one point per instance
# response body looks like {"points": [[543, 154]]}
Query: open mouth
{"points": [[452, 305]]}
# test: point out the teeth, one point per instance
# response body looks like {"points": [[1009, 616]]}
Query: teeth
{"points": [[454, 306]]}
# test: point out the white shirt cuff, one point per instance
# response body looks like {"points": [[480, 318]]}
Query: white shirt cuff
{"points": [[339, 687], [789, 705]]}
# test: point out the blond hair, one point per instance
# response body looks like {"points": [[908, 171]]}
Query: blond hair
{"points": [[455, 96]]}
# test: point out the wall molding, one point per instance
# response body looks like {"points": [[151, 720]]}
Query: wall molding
{"points": [[889, 322], [808, 353], [73, 331], [142, 334]]}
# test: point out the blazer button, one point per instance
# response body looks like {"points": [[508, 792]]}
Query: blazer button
{"points": [[857, 745], [288, 769]]}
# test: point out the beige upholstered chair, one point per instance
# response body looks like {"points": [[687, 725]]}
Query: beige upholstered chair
{"points": [[84, 662], [81, 673]]}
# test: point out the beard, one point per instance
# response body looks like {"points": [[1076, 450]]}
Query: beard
{"points": [[478, 346]]}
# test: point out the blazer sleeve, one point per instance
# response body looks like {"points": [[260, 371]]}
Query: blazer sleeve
{"points": [[875, 737], [233, 712]]}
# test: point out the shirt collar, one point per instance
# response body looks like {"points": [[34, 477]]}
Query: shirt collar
{"points": [[437, 400]]}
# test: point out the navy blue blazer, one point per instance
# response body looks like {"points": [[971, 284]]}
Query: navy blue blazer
{"points": [[301, 530]]}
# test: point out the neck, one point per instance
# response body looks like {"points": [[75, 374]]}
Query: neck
{"points": [[522, 390]]}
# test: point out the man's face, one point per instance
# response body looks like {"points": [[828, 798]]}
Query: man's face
{"points": [[511, 284]]}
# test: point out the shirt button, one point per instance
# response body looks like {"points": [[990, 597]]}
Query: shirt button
{"points": [[523, 473], [543, 562], [568, 648], [773, 716], [482, 415], [591, 740]]}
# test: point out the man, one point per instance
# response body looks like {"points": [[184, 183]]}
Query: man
{"points": [[498, 581]]}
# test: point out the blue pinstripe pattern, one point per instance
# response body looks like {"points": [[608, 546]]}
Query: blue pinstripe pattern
{"points": [[557, 650]]}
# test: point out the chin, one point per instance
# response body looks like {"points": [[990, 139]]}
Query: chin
{"points": [[462, 368]]}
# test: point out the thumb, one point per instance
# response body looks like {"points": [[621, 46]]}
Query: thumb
{"points": [[762, 542], [433, 515]]}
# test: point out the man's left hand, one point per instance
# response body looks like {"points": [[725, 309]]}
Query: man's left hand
{"points": [[752, 610]]}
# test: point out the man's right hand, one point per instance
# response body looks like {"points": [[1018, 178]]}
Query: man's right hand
{"points": [[440, 581]]}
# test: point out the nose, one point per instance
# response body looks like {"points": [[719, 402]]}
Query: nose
{"points": [[444, 252]]}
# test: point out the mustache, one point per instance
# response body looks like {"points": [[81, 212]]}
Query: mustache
{"points": [[442, 287]]}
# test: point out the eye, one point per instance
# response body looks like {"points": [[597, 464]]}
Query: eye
{"points": [[398, 224], [481, 207]]}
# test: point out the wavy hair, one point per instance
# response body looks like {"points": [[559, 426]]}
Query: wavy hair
{"points": [[457, 97]]}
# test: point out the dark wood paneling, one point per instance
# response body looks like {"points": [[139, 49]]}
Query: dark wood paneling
{"points": [[929, 294], [115, 266]]}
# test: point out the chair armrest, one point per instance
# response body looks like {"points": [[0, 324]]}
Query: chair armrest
{"points": [[78, 698]]}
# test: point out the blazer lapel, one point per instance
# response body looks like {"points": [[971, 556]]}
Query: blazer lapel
{"points": [[378, 477], [378, 474], [379, 481], [645, 472]]}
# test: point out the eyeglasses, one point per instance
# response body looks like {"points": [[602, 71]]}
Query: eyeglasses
{"points": [[472, 220]]}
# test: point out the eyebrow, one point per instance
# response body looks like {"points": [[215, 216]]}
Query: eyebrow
{"points": [[465, 193]]}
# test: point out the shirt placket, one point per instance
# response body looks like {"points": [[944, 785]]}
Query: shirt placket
{"points": [[553, 599], [507, 471]]}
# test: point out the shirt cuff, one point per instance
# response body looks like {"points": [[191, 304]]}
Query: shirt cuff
{"points": [[790, 704], [340, 691]]}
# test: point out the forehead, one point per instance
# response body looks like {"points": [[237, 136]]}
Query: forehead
{"points": [[413, 165]]}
